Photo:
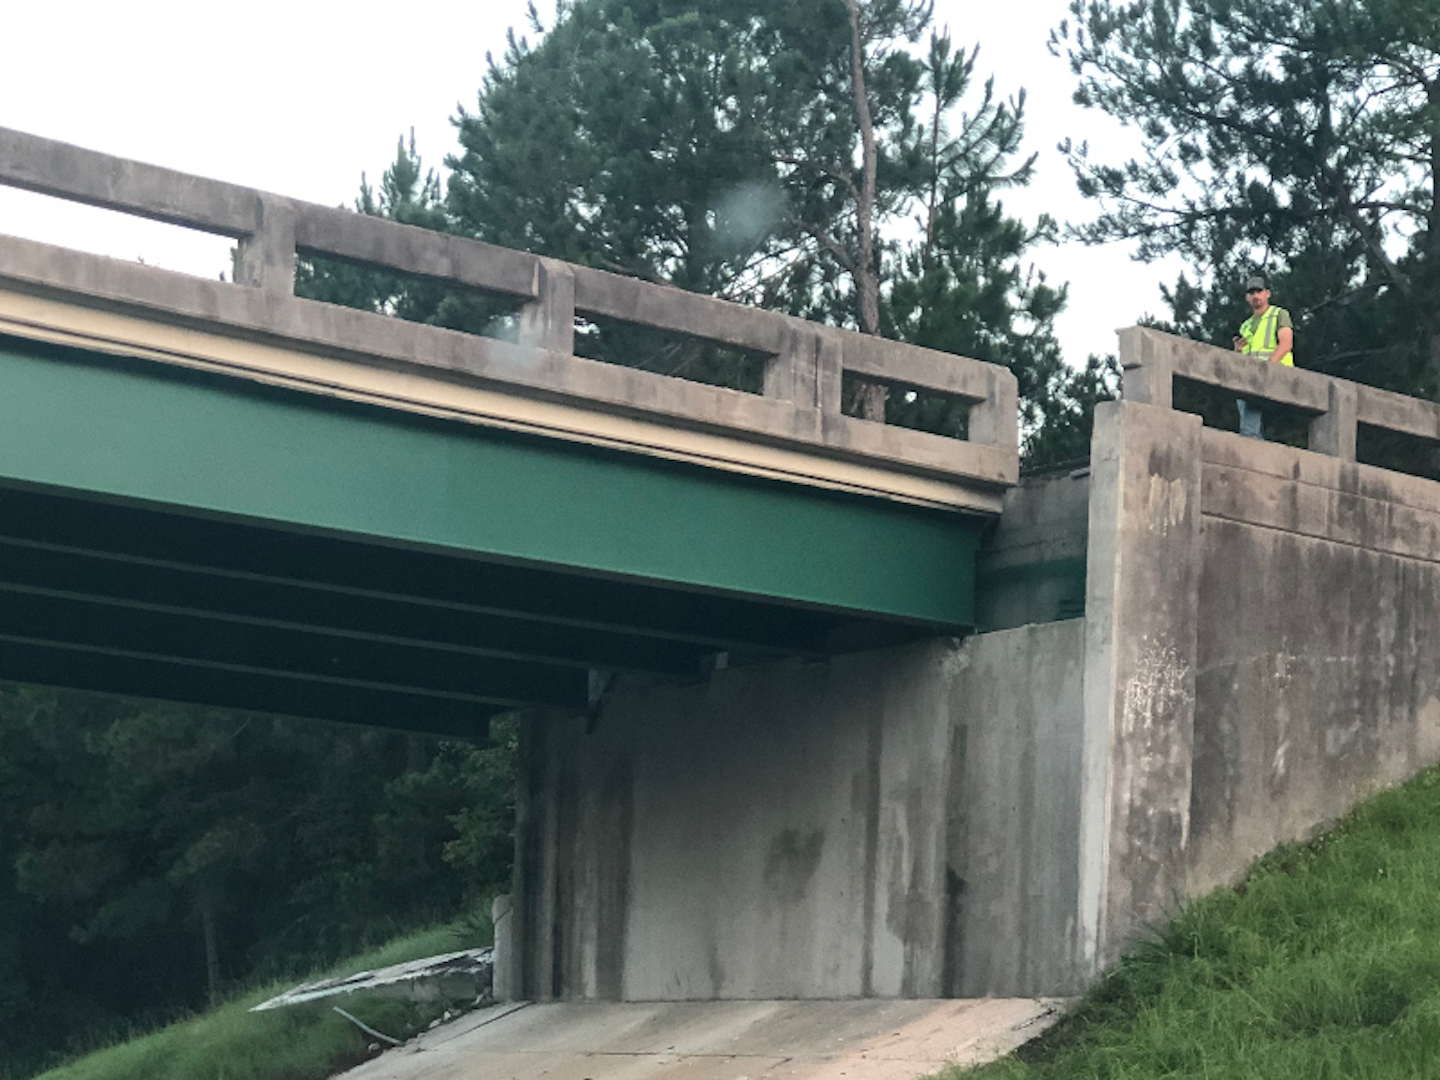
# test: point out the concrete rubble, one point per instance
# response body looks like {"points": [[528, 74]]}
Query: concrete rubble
{"points": [[466, 976]]}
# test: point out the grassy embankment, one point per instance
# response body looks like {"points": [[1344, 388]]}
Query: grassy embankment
{"points": [[1324, 963], [306, 1042]]}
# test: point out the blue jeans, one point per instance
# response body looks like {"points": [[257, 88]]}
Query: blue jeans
{"points": [[1249, 419]]}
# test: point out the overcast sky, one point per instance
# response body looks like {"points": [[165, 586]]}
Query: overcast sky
{"points": [[301, 97]]}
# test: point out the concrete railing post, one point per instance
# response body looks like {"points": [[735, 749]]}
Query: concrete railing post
{"points": [[1146, 377], [829, 370], [1333, 431], [548, 321], [996, 420], [790, 375], [265, 259], [807, 372], [1142, 599]]}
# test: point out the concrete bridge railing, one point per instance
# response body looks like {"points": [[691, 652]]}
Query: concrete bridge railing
{"points": [[1152, 360], [804, 362]]}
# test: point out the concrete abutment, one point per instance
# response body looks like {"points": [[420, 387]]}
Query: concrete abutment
{"points": [[1001, 815]]}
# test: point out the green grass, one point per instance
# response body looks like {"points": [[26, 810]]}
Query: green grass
{"points": [[1324, 963], [307, 1042]]}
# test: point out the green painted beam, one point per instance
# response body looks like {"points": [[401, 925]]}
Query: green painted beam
{"points": [[281, 650], [300, 606], [167, 679], [300, 573], [133, 430]]}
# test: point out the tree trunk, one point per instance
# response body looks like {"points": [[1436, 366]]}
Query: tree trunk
{"points": [[1431, 266], [867, 276]]}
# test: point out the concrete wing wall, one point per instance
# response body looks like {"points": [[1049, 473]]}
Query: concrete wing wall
{"points": [[1032, 561], [1318, 675], [1259, 657]]}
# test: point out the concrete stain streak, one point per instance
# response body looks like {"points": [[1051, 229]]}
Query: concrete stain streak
{"points": [[1166, 504], [1152, 764], [875, 740], [792, 861]]}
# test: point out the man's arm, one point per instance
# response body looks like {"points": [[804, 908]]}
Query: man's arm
{"points": [[1285, 339]]}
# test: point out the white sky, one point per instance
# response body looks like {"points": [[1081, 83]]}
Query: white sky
{"points": [[300, 97]]}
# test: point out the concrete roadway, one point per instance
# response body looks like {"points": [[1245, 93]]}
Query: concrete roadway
{"points": [[726, 1040]]}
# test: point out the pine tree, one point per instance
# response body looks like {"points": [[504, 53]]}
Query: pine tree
{"points": [[772, 154], [153, 854], [1296, 139]]}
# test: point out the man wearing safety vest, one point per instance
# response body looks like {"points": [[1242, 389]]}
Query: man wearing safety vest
{"points": [[1267, 334]]}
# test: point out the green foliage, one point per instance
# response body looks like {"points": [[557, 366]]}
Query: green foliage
{"points": [[718, 147], [727, 148], [152, 853], [1324, 962], [410, 195], [1294, 138], [963, 288], [1060, 433], [632, 138]]}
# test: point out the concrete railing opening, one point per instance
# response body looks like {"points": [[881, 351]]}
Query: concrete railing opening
{"points": [[1338, 408], [45, 219], [801, 363]]}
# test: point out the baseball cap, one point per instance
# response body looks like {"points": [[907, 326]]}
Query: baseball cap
{"points": [[1256, 281]]}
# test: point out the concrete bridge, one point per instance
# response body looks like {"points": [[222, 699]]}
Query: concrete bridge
{"points": [[814, 707], [218, 492]]}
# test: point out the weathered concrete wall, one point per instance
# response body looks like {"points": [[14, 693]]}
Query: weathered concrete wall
{"points": [[1015, 844], [893, 824], [1003, 816], [1259, 655], [1318, 673], [770, 834]]}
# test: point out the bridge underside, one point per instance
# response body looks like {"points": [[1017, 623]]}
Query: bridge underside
{"points": [[197, 538], [134, 600]]}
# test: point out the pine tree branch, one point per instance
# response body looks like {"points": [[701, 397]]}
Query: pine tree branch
{"points": [[833, 246]]}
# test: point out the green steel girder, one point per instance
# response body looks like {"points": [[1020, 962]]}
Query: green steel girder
{"points": [[197, 538], [302, 606], [405, 668], [133, 431], [136, 674], [311, 566]]}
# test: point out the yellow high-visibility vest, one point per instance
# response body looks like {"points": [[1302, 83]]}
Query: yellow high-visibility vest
{"points": [[1262, 335]]}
